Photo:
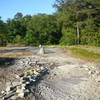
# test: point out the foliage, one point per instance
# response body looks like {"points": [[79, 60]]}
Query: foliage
{"points": [[3, 31], [74, 22], [69, 36], [84, 16], [84, 53]]}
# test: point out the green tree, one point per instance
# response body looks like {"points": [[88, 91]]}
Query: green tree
{"points": [[81, 15], [3, 33], [18, 15]]}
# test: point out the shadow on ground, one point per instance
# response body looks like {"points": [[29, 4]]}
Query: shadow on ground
{"points": [[5, 61]]}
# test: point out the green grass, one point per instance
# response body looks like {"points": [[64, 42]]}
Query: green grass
{"points": [[85, 52], [93, 49], [82, 51]]}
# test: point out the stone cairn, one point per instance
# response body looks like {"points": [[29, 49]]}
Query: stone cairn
{"points": [[41, 51], [25, 84]]}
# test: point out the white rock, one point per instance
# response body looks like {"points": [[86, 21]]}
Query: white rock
{"points": [[17, 76], [86, 68], [97, 72], [14, 97], [8, 89], [21, 94], [15, 83], [2, 92], [23, 87], [36, 73], [27, 82], [89, 72], [20, 90], [32, 80], [42, 68]]}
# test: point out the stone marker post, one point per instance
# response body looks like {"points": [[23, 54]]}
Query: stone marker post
{"points": [[41, 51]]}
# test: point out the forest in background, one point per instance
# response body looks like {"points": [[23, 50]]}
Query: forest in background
{"points": [[74, 22]]}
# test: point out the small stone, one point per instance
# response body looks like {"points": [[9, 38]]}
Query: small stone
{"points": [[21, 75], [27, 83], [90, 72], [8, 89], [23, 88], [15, 83], [2, 92], [29, 76], [17, 76], [32, 80], [97, 72], [36, 73], [21, 95], [13, 97], [42, 68], [86, 69], [20, 90]]}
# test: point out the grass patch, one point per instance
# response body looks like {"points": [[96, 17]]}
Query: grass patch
{"points": [[92, 49], [84, 53]]}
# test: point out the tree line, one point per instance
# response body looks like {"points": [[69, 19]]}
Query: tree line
{"points": [[74, 22]]}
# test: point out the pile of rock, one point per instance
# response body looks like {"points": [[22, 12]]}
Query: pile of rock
{"points": [[25, 84], [26, 61]]}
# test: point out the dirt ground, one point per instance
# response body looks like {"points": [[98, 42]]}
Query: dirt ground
{"points": [[68, 79]]}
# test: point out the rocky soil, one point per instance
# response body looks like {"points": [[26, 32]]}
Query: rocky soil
{"points": [[52, 76]]}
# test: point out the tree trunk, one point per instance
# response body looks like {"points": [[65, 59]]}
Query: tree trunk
{"points": [[78, 34]]}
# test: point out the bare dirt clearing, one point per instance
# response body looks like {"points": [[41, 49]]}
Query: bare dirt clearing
{"points": [[69, 78]]}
